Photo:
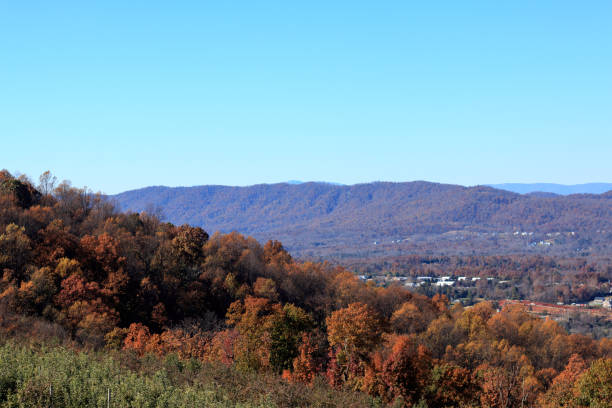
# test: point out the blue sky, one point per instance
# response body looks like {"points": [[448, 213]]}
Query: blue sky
{"points": [[118, 95]]}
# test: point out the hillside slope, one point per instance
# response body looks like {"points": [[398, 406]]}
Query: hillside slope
{"points": [[321, 219]]}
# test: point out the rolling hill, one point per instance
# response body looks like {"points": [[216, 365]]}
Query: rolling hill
{"points": [[322, 219]]}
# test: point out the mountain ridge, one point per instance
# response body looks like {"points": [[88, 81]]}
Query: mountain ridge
{"points": [[315, 219]]}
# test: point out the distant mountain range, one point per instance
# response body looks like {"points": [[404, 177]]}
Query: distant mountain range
{"points": [[324, 219], [323, 182], [533, 188], [561, 189], [537, 188]]}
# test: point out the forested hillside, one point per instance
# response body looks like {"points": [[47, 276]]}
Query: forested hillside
{"points": [[319, 219], [77, 271]]}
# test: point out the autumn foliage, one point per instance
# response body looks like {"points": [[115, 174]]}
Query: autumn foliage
{"points": [[129, 281]]}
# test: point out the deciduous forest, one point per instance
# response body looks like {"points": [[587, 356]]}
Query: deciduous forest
{"points": [[167, 315], [366, 222]]}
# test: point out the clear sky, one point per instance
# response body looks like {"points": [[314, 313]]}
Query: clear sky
{"points": [[118, 95]]}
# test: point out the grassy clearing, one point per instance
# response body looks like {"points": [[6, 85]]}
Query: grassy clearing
{"points": [[81, 379]]}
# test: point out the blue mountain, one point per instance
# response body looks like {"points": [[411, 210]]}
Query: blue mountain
{"points": [[560, 189]]}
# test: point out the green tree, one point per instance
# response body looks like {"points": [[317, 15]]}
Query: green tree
{"points": [[285, 336], [594, 388]]}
